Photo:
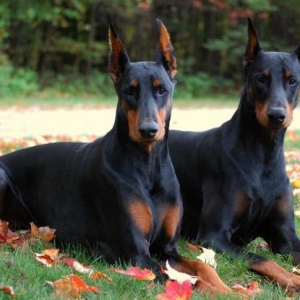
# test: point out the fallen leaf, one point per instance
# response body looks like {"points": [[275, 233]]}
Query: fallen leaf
{"points": [[8, 290], [45, 234], [77, 266], [208, 257], [176, 291], [252, 288], [179, 276], [7, 237], [5, 232], [99, 275], [72, 285], [48, 258], [141, 274]]}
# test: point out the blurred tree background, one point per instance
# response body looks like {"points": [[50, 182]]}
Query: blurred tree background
{"points": [[62, 44]]}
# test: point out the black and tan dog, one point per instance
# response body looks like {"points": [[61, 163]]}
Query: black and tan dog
{"points": [[233, 178], [120, 192]]}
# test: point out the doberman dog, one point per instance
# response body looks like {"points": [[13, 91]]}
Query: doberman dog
{"points": [[233, 178], [118, 193]]}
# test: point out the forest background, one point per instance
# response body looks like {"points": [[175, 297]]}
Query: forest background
{"points": [[61, 46]]}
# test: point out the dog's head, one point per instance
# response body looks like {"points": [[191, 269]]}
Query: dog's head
{"points": [[273, 81], [145, 89]]}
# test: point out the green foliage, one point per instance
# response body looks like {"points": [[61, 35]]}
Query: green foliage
{"points": [[16, 81], [96, 83], [201, 84]]}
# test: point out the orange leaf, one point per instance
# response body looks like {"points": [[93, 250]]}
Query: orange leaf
{"points": [[137, 273], [48, 258], [45, 234], [99, 275], [176, 291], [73, 285]]}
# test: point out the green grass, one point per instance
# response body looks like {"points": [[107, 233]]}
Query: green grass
{"points": [[29, 279]]}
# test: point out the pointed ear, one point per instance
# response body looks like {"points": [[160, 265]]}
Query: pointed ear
{"points": [[118, 58], [164, 50], [253, 46], [297, 51]]}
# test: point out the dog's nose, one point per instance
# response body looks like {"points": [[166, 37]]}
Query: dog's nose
{"points": [[276, 115], [148, 130]]}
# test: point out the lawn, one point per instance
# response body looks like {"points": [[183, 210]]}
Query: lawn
{"points": [[29, 279]]}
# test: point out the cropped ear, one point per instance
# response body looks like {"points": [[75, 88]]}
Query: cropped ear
{"points": [[164, 50], [297, 51], [253, 46], [118, 58]]}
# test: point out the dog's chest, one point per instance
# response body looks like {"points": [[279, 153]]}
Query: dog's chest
{"points": [[255, 202]]}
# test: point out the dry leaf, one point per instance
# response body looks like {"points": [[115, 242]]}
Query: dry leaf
{"points": [[77, 266], [178, 276], [48, 258], [7, 237], [8, 290], [208, 257], [176, 291], [72, 285], [45, 234], [137, 273], [99, 275], [5, 232]]}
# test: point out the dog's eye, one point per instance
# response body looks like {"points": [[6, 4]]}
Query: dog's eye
{"points": [[261, 79], [292, 81], [161, 90], [130, 91]]}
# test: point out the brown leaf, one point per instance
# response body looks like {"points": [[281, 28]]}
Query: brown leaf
{"points": [[48, 258], [72, 285], [8, 290], [99, 275], [44, 234]]}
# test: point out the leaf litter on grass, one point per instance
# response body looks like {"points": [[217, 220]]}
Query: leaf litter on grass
{"points": [[20, 239]]}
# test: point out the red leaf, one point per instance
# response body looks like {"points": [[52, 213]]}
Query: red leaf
{"points": [[137, 273], [176, 291]]}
